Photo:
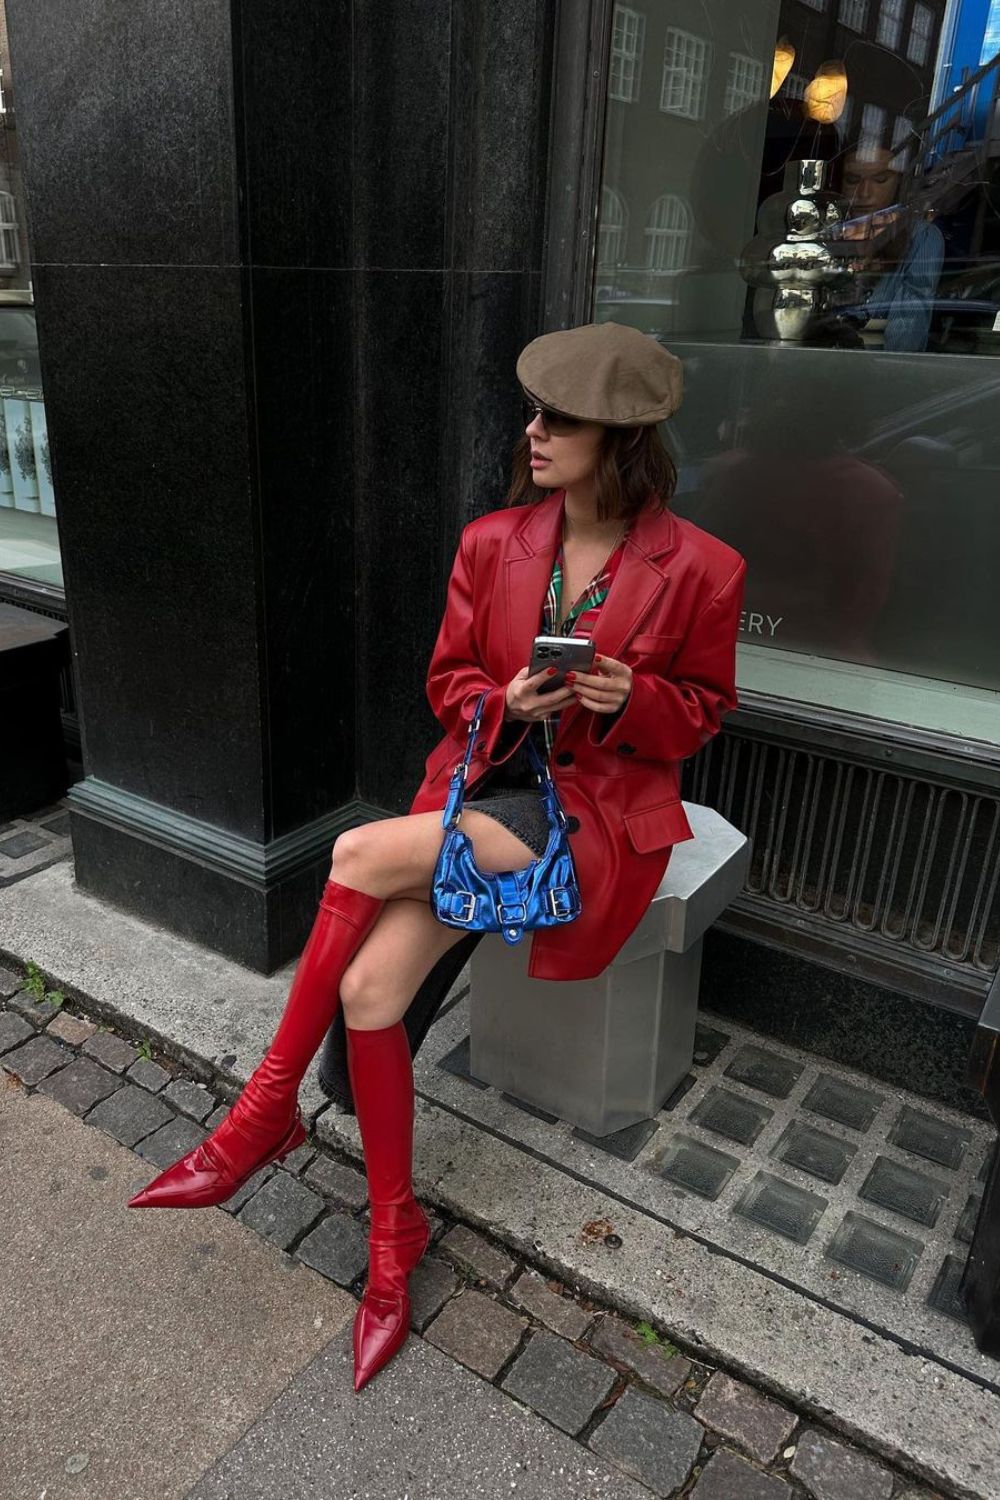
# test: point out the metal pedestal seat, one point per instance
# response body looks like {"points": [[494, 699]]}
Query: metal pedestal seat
{"points": [[605, 1053]]}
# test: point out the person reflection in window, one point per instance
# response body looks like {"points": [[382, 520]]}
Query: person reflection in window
{"points": [[818, 525], [899, 253]]}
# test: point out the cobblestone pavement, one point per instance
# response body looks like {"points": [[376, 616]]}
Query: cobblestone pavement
{"points": [[667, 1419]]}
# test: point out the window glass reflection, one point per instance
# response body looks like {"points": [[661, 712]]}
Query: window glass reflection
{"points": [[804, 201], [29, 542], [902, 112]]}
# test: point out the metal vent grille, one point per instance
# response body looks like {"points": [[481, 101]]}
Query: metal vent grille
{"points": [[910, 861]]}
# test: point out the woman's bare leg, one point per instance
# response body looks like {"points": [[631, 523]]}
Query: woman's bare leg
{"points": [[392, 963], [395, 858]]}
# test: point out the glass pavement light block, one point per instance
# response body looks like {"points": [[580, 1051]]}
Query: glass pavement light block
{"points": [[845, 1103], [926, 1136], [708, 1043], [691, 1164], [780, 1206], [944, 1295], [966, 1226], [878, 1253], [765, 1070], [731, 1115], [904, 1191], [814, 1151]]}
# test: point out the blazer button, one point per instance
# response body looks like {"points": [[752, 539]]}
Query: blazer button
{"points": [[624, 749], [564, 758], [480, 744], [572, 824]]}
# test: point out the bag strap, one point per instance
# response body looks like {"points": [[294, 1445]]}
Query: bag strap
{"points": [[547, 787], [456, 790]]}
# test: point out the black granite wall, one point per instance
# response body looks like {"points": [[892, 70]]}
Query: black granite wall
{"points": [[285, 254], [449, 234]]}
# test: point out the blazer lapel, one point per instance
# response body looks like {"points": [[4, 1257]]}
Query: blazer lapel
{"points": [[527, 570], [640, 579]]}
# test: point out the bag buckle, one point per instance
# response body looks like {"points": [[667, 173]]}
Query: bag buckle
{"points": [[468, 907], [560, 901], [516, 911]]}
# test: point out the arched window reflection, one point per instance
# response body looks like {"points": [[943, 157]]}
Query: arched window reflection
{"points": [[612, 228], [668, 234]]}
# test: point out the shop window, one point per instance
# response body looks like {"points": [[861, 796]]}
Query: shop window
{"points": [[853, 13], [29, 539], [628, 33], [612, 230], [890, 23], [921, 30], [685, 74], [819, 434], [668, 234], [744, 82]]}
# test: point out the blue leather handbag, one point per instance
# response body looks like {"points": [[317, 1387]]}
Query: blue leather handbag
{"points": [[544, 893]]}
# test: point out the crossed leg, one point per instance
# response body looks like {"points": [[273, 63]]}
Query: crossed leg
{"points": [[394, 858]]}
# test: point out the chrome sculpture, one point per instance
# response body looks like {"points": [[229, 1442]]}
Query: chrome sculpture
{"points": [[792, 264]]}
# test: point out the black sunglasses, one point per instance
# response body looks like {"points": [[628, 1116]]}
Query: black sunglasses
{"points": [[556, 422]]}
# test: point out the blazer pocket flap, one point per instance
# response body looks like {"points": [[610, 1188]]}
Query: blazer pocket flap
{"points": [[650, 641], [656, 827], [660, 647]]}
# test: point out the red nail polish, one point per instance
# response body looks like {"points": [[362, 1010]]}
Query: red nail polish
{"points": [[570, 676], [550, 671]]}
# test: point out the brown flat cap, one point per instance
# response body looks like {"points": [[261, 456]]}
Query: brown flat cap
{"points": [[603, 372]]}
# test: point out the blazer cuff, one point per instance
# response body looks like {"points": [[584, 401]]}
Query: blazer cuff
{"points": [[611, 730], [502, 735]]}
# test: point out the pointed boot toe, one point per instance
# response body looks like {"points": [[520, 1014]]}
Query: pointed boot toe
{"points": [[201, 1179], [381, 1325]]}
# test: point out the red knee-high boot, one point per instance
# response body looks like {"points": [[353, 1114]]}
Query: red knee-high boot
{"points": [[381, 1073], [265, 1124]]}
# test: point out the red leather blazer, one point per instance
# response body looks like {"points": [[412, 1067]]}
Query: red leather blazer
{"points": [[672, 614]]}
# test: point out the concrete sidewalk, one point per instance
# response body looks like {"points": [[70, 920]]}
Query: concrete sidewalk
{"points": [[150, 1356], [531, 1185]]}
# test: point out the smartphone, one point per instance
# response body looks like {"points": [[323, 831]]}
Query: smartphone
{"points": [[567, 653]]}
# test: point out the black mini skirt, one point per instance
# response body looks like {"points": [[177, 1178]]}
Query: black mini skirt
{"points": [[510, 795]]}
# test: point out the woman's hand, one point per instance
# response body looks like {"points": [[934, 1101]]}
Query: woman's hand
{"points": [[604, 690], [524, 701]]}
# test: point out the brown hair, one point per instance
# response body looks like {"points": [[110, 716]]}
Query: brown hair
{"points": [[903, 156], [633, 467]]}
